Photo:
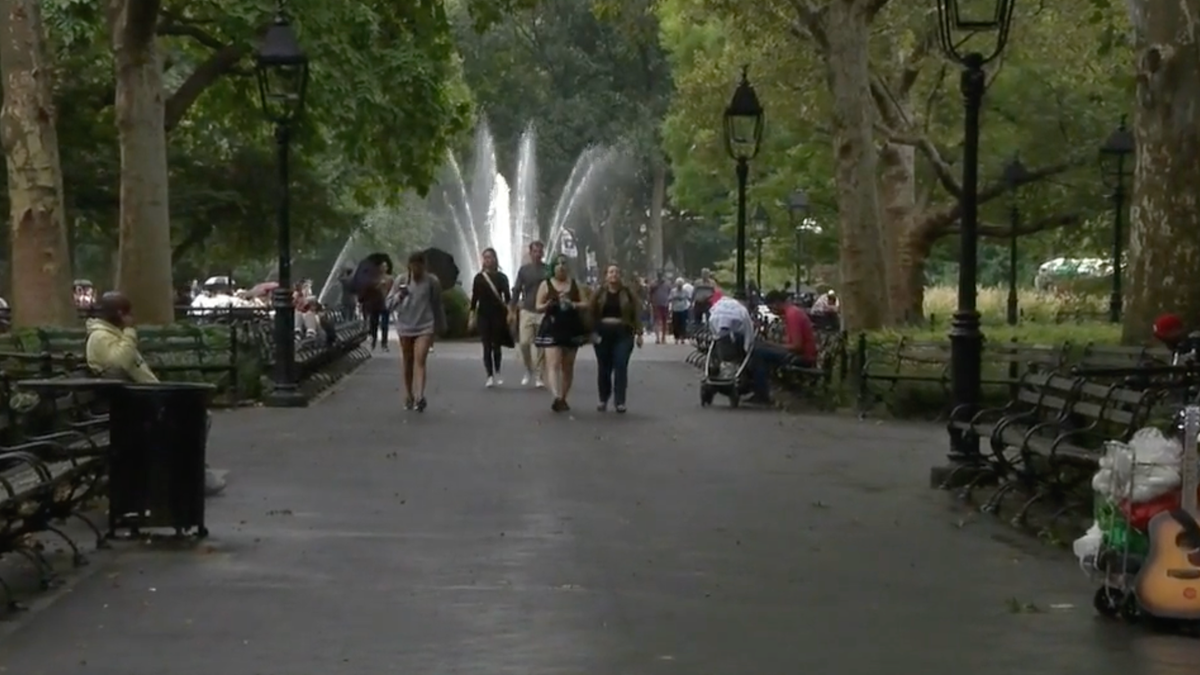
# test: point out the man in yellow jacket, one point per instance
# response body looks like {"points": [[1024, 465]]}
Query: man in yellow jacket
{"points": [[112, 342], [112, 352]]}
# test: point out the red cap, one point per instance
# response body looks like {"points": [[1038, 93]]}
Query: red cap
{"points": [[1168, 323]]}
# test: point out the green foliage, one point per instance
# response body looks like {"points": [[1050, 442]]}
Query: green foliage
{"points": [[1058, 91], [456, 305]]}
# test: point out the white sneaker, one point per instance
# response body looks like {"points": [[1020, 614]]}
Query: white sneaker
{"points": [[498, 381], [526, 380], [491, 382], [539, 384]]}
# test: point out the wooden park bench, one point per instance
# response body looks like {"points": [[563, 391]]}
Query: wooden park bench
{"points": [[1054, 453]]}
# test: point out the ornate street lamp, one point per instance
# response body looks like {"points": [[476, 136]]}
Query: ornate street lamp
{"points": [[282, 70], [762, 228], [963, 28], [743, 140], [1114, 171], [1015, 175], [798, 208]]}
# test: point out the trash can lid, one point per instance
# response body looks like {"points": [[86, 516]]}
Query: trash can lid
{"points": [[172, 386]]}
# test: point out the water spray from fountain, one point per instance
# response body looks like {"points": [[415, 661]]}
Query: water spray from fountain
{"points": [[491, 212]]}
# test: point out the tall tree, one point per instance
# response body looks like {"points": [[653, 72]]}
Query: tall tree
{"points": [[144, 263], [1164, 249], [41, 262]]}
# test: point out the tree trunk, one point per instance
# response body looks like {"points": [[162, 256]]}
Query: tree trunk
{"points": [[912, 250], [863, 290], [898, 194], [144, 268], [1164, 250], [41, 274], [658, 200]]}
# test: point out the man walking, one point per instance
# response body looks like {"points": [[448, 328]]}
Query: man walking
{"points": [[660, 301], [524, 295]]}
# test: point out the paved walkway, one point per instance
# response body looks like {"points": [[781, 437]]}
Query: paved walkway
{"points": [[490, 536]]}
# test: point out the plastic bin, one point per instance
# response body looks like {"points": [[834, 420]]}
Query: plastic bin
{"points": [[159, 436]]}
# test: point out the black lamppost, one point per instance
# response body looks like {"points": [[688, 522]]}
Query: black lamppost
{"points": [[762, 227], [959, 30], [1015, 175], [798, 207], [743, 139], [282, 69], [1114, 170]]}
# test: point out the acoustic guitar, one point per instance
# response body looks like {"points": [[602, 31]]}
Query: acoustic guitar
{"points": [[1168, 584]]}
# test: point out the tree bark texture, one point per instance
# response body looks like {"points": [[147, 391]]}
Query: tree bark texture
{"points": [[658, 199], [1164, 247], [898, 194], [144, 268], [41, 266], [863, 291]]}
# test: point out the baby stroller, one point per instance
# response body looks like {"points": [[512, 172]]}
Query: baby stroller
{"points": [[726, 369]]}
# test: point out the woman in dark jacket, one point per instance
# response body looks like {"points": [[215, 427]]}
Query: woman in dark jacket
{"points": [[615, 314], [490, 297]]}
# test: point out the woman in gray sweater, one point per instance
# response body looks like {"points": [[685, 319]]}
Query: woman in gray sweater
{"points": [[417, 301]]}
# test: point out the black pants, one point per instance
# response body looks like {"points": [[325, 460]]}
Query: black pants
{"points": [[377, 324], [492, 355]]}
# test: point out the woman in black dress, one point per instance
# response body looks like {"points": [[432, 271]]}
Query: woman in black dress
{"points": [[490, 297], [562, 305]]}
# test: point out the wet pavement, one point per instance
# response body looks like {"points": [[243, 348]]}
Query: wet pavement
{"points": [[492, 536]]}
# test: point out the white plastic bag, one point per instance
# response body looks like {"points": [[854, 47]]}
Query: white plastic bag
{"points": [[1144, 469], [1088, 546]]}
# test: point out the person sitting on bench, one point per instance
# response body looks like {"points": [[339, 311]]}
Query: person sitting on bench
{"points": [[112, 353], [799, 346]]}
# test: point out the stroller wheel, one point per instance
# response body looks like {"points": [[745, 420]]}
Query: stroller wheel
{"points": [[735, 399], [1108, 601], [706, 396]]}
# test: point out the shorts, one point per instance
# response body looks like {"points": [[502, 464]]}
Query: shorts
{"points": [[660, 315]]}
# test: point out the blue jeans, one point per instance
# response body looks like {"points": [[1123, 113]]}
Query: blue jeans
{"points": [[612, 358], [767, 358]]}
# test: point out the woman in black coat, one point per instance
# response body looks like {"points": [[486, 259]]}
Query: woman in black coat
{"points": [[490, 297]]}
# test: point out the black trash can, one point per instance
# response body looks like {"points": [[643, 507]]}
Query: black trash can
{"points": [[159, 434]]}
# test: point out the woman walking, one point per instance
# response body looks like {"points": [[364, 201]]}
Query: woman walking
{"points": [[490, 297], [376, 309], [614, 310], [562, 330], [417, 301], [680, 304]]}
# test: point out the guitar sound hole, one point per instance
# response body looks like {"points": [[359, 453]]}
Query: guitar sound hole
{"points": [[1187, 543]]}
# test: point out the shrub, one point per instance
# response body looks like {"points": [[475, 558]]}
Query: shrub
{"points": [[456, 304]]}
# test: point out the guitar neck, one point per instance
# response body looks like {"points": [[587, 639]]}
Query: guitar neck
{"points": [[1189, 470]]}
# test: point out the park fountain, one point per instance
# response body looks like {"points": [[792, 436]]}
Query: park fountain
{"points": [[490, 212]]}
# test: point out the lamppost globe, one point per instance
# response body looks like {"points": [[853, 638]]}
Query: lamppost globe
{"points": [[762, 222], [743, 139], [1117, 147], [1115, 169], [971, 33], [744, 121], [798, 203], [282, 70]]}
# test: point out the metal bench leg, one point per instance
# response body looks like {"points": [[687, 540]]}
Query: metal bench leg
{"points": [[986, 473], [101, 540], [77, 558], [44, 569], [993, 505], [10, 600], [1021, 519]]}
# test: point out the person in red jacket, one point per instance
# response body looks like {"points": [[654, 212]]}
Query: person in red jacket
{"points": [[799, 345]]}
